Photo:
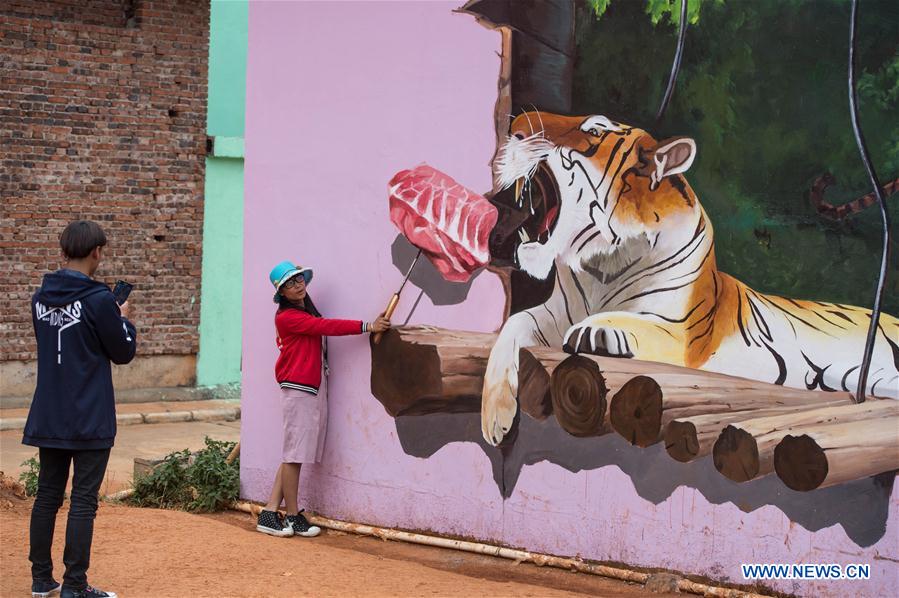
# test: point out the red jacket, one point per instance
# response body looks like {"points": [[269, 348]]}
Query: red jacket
{"points": [[299, 365]]}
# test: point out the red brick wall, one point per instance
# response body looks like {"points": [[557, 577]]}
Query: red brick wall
{"points": [[112, 13], [103, 117]]}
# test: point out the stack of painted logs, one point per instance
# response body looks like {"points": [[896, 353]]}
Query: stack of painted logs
{"points": [[810, 439]]}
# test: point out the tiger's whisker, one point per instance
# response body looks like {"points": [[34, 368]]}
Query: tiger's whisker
{"points": [[529, 122]]}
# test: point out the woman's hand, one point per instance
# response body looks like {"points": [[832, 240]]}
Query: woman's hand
{"points": [[381, 324]]}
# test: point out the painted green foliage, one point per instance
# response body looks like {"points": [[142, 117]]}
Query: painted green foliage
{"points": [[763, 90], [658, 9]]}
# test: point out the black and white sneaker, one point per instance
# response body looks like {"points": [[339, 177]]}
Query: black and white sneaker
{"points": [[302, 527], [87, 592], [44, 589], [270, 522]]}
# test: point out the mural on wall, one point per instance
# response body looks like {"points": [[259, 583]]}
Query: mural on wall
{"points": [[619, 318], [763, 90], [635, 272]]}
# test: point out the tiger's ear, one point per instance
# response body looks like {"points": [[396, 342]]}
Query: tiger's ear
{"points": [[672, 156]]}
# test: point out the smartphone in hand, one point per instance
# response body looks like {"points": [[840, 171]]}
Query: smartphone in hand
{"points": [[121, 291]]}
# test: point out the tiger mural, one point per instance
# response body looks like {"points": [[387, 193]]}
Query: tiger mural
{"points": [[607, 208]]}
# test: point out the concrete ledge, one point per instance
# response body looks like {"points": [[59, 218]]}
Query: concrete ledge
{"points": [[226, 392], [212, 415], [168, 417], [229, 414], [128, 419], [12, 423]]}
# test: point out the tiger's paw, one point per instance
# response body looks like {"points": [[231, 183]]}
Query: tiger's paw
{"points": [[498, 410], [594, 339]]}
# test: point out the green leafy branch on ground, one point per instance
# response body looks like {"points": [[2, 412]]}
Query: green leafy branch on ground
{"points": [[30, 475], [200, 483]]}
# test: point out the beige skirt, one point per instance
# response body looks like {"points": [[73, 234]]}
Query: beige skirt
{"points": [[305, 417]]}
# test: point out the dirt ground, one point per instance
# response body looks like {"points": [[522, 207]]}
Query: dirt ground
{"points": [[148, 552]]}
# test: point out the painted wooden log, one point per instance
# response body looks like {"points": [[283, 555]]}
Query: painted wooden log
{"points": [[817, 457], [578, 392], [640, 411], [423, 369], [745, 450], [535, 368], [691, 437]]}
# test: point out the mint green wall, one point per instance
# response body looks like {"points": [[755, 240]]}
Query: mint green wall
{"points": [[227, 68], [218, 361], [220, 307]]}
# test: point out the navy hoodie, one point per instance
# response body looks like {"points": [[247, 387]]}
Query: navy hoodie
{"points": [[79, 330]]}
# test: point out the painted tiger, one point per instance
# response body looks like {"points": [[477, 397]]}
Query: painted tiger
{"points": [[607, 208]]}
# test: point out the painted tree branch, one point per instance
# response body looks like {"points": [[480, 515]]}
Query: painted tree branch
{"points": [[843, 211]]}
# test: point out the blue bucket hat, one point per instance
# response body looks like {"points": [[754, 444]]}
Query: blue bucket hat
{"points": [[284, 272]]}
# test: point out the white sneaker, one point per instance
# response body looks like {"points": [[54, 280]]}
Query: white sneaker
{"points": [[302, 527], [45, 589], [271, 523]]}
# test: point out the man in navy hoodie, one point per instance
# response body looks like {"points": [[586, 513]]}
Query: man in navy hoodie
{"points": [[80, 329]]}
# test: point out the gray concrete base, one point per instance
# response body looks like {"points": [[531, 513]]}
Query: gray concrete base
{"points": [[17, 378]]}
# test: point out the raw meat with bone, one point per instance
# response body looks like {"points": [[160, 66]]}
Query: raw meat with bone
{"points": [[449, 223]]}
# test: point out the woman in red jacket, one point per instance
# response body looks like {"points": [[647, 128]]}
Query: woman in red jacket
{"points": [[302, 375]]}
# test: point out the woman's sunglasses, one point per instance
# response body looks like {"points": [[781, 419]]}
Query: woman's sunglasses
{"points": [[293, 282]]}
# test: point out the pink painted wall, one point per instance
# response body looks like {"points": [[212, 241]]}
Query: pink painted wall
{"points": [[340, 96]]}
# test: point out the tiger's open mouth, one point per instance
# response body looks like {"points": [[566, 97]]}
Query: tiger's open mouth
{"points": [[528, 213]]}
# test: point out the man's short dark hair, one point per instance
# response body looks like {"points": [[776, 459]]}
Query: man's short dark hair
{"points": [[80, 238]]}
